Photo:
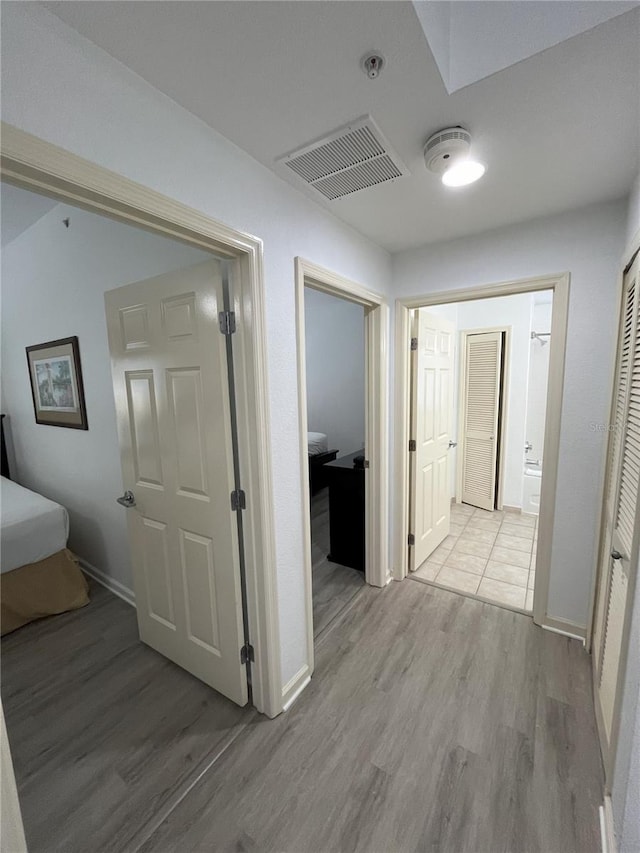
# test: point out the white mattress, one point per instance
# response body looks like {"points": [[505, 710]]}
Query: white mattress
{"points": [[317, 442], [33, 527]]}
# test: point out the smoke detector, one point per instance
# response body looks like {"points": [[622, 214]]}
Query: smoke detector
{"points": [[446, 153], [372, 64]]}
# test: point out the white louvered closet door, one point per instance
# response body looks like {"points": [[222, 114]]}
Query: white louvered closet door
{"points": [[619, 548], [480, 408]]}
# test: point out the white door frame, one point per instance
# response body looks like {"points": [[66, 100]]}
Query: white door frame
{"points": [[560, 286], [308, 274], [41, 167], [504, 405]]}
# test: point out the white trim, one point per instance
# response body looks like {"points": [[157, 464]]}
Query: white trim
{"points": [[607, 832], [108, 582], [308, 274], [567, 629], [41, 167], [560, 285], [294, 687], [504, 406]]}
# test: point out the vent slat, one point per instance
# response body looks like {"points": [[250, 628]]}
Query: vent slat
{"points": [[346, 162]]}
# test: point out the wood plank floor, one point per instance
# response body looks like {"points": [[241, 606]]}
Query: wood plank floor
{"points": [[433, 722], [334, 586], [105, 733]]}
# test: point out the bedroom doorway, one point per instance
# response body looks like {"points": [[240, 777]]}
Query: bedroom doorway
{"points": [[335, 382], [343, 466]]}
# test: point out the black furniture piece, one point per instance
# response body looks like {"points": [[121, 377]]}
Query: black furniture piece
{"points": [[4, 462], [317, 476], [346, 510]]}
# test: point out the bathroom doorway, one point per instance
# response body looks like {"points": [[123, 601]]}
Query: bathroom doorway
{"points": [[497, 439]]}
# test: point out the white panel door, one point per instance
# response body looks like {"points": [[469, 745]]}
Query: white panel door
{"points": [[619, 549], [480, 411], [174, 424], [431, 416]]}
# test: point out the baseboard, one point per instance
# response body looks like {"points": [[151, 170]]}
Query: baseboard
{"points": [[110, 583], [607, 834], [563, 626], [295, 686]]}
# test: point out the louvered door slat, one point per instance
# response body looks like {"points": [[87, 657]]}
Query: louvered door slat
{"points": [[483, 356]]}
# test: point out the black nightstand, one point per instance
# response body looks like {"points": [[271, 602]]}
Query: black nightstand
{"points": [[346, 511]]}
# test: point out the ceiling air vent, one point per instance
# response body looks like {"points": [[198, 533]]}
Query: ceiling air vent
{"points": [[350, 159]]}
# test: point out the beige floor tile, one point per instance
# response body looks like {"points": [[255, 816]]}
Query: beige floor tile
{"points": [[428, 570], [456, 529], [469, 545], [509, 555], [466, 562], [485, 513], [479, 535], [517, 530], [509, 574], [520, 520], [457, 579], [504, 593], [477, 523], [515, 543], [529, 600], [440, 554]]}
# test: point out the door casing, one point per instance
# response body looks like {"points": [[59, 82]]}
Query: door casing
{"points": [[34, 164], [308, 274], [560, 285]]}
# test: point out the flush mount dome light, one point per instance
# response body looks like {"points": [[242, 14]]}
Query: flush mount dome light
{"points": [[446, 153]]}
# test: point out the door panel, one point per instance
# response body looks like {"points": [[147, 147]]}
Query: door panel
{"points": [[619, 546], [480, 409], [174, 425], [431, 413]]}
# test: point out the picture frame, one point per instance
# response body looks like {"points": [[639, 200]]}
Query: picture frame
{"points": [[57, 390]]}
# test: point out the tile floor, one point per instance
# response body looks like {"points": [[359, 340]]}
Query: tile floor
{"points": [[488, 554]]}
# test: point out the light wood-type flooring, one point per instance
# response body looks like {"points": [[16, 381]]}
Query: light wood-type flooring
{"points": [[333, 585], [433, 722]]}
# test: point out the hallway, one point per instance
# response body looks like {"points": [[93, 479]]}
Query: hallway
{"points": [[432, 722]]}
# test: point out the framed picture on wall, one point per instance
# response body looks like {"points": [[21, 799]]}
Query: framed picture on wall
{"points": [[56, 384]]}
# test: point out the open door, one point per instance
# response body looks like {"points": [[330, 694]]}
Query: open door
{"points": [[480, 413], [431, 415], [618, 556], [173, 409]]}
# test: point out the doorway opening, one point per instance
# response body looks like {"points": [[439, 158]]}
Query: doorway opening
{"points": [[480, 383], [343, 440], [335, 382]]}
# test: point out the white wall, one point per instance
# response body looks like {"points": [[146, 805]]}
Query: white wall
{"points": [[588, 244], [67, 91], [53, 284], [538, 378], [633, 210], [334, 341]]}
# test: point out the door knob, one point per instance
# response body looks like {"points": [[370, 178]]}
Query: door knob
{"points": [[127, 500], [453, 444], [616, 555]]}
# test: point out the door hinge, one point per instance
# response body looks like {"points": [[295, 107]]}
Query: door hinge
{"points": [[414, 343], [247, 655], [227, 322], [238, 500], [411, 539], [412, 444]]}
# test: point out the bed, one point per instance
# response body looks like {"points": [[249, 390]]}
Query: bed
{"points": [[319, 455], [39, 576]]}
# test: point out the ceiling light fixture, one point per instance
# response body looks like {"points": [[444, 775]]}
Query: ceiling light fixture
{"points": [[446, 153]]}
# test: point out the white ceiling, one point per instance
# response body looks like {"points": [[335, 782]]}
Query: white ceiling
{"points": [[472, 40], [19, 210], [557, 131]]}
